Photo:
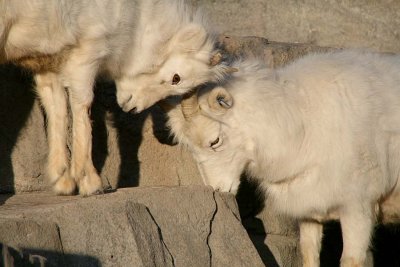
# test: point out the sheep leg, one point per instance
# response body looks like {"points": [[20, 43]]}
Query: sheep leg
{"points": [[80, 76], [82, 168], [54, 100], [357, 225], [310, 242]]}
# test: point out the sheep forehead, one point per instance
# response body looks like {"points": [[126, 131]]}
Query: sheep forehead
{"points": [[186, 64], [188, 67], [201, 130]]}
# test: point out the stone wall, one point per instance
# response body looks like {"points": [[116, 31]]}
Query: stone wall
{"points": [[348, 23], [145, 226]]}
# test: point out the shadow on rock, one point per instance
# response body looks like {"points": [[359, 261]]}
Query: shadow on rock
{"points": [[107, 114], [4, 197], [16, 102], [43, 258], [129, 134], [160, 129], [251, 202]]}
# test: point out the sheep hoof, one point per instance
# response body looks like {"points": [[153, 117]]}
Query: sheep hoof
{"points": [[65, 185], [108, 189], [90, 185]]}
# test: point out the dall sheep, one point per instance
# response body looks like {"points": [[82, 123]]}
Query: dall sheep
{"points": [[151, 48], [320, 135]]}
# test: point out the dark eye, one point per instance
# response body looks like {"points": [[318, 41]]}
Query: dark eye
{"points": [[214, 143], [176, 79]]}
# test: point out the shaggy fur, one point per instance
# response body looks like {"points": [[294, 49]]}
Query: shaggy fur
{"points": [[141, 44], [321, 135]]}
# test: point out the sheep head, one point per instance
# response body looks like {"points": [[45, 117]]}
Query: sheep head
{"points": [[201, 122], [187, 60]]}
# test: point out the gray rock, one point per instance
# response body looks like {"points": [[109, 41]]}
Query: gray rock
{"points": [[348, 23], [33, 242], [226, 232], [176, 226], [152, 248], [22, 133]]}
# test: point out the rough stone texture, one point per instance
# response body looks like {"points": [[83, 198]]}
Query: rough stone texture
{"points": [[347, 23], [284, 249], [224, 223], [36, 238], [274, 54], [148, 235], [22, 134], [176, 226]]}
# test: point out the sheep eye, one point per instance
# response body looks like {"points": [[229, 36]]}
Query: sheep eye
{"points": [[222, 102], [176, 79], [214, 143]]}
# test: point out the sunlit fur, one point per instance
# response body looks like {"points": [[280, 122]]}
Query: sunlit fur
{"points": [[321, 135], [140, 44]]}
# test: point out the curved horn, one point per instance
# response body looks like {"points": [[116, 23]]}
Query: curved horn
{"points": [[220, 99], [190, 104], [231, 70]]}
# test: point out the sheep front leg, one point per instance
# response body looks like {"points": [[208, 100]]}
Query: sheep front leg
{"points": [[81, 97], [54, 100], [357, 225], [310, 242]]}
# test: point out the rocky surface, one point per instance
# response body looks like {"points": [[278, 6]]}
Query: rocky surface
{"points": [[367, 24], [175, 226]]}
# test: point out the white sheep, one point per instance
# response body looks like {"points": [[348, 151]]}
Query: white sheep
{"points": [[151, 48], [321, 136]]}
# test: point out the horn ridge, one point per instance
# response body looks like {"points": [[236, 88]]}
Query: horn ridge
{"points": [[190, 104]]}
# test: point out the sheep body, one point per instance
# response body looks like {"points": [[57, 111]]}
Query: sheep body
{"points": [[141, 44], [321, 135]]}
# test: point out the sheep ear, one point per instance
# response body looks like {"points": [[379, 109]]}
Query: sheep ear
{"points": [[220, 100], [191, 37]]}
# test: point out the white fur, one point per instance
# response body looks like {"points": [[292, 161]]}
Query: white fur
{"points": [[140, 44], [321, 135]]}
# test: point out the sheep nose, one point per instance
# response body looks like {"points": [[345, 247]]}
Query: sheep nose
{"points": [[133, 111], [126, 107]]}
